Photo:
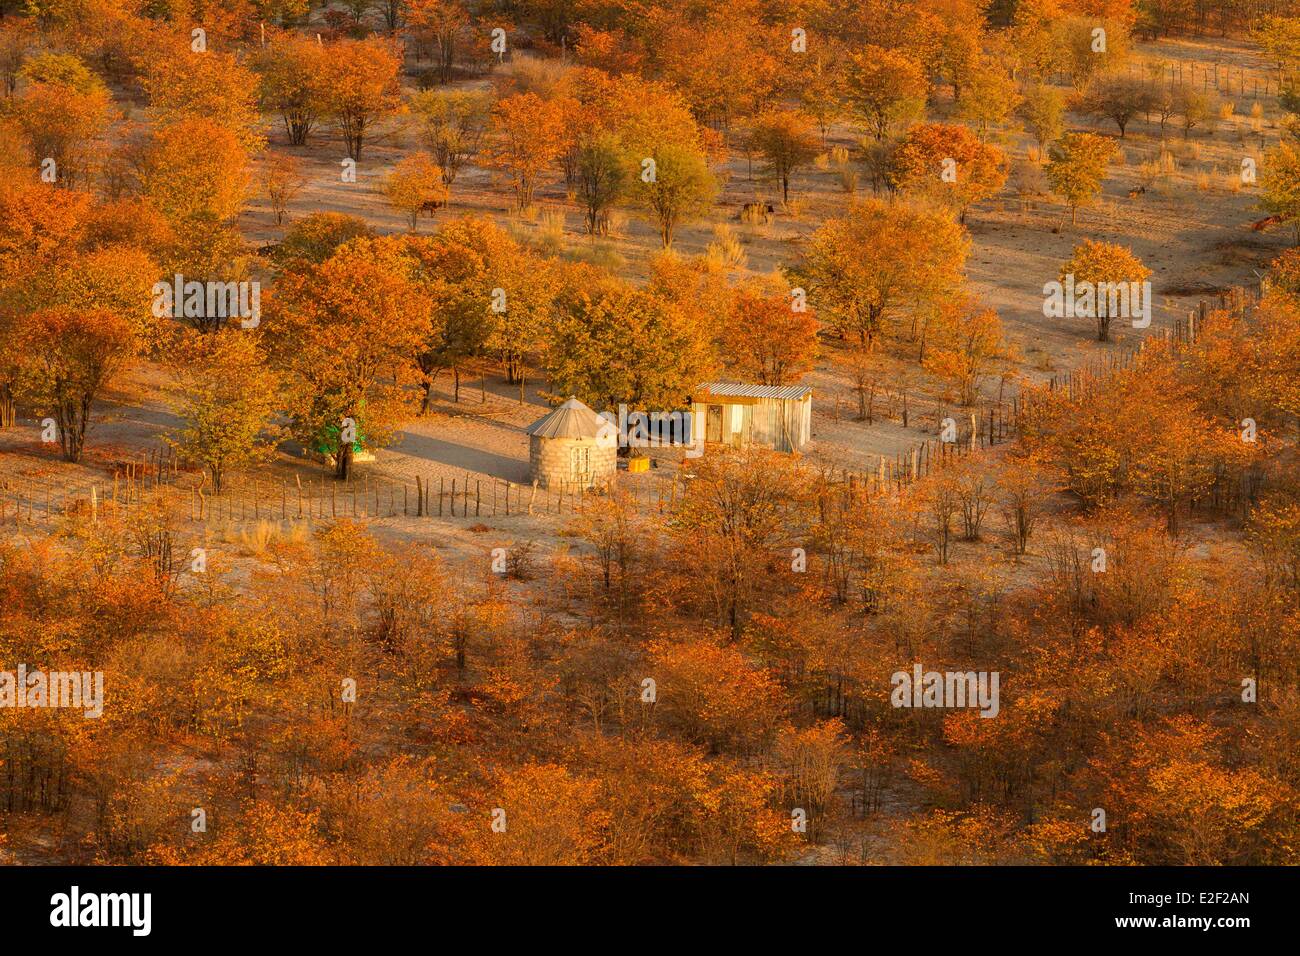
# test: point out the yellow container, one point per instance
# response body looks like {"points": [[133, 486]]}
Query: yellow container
{"points": [[638, 464]]}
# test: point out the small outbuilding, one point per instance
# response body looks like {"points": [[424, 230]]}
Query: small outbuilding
{"points": [[572, 447], [740, 415]]}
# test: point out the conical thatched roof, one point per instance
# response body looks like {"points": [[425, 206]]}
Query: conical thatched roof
{"points": [[573, 419]]}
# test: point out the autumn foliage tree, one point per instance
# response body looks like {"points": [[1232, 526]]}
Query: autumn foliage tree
{"points": [[787, 141], [1147, 431], [1042, 110], [453, 124], [62, 111], [646, 141], [315, 237], [602, 177], [294, 75], [55, 253], [1280, 183], [527, 136], [675, 185], [68, 356], [213, 87], [1119, 98], [864, 269], [339, 330], [546, 816], [970, 342], [764, 339], [229, 397], [611, 344], [282, 180], [740, 516], [490, 296], [361, 83], [1076, 168], [196, 173], [415, 183], [441, 25], [989, 97], [1105, 265], [17, 38], [885, 88], [948, 164], [714, 694]]}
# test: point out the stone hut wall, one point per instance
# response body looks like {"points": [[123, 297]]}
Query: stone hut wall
{"points": [[550, 461]]}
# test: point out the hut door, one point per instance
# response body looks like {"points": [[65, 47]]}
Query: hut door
{"points": [[580, 469], [713, 424]]}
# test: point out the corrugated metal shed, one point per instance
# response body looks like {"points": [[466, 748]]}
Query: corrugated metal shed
{"points": [[740, 414], [573, 419], [745, 390]]}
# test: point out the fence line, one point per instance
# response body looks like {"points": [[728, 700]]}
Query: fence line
{"points": [[262, 499], [1242, 82]]}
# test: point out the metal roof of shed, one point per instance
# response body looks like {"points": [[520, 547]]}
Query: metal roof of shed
{"points": [[745, 390]]}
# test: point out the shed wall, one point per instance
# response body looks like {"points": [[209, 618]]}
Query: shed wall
{"points": [[779, 424]]}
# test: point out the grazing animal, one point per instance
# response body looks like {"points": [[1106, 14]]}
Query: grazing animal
{"points": [[757, 212], [431, 205], [1134, 193], [1260, 225]]}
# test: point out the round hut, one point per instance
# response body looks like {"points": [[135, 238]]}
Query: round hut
{"points": [[572, 447]]}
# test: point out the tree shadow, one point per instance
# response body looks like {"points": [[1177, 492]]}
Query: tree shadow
{"points": [[462, 457]]}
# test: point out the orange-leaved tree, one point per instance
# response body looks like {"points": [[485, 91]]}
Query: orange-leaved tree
{"points": [[363, 87], [765, 339], [970, 342], [1076, 167], [949, 164], [62, 110], [228, 397], [414, 185], [863, 269], [786, 140], [340, 330], [1113, 276], [527, 136], [884, 89], [67, 357], [294, 77], [210, 86]]}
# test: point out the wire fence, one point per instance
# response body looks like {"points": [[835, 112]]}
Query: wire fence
{"points": [[157, 475], [1228, 80]]}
